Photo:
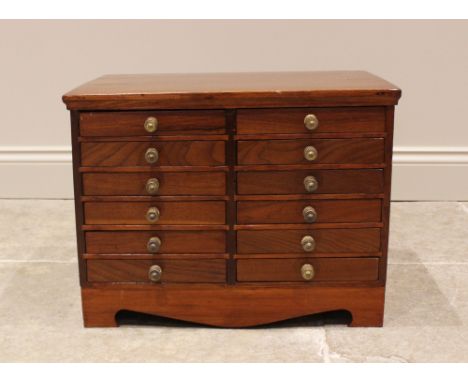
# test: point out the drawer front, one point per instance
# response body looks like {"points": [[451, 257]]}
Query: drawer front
{"points": [[170, 183], [292, 182], [132, 123], [323, 211], [210, 212], [172, 153], [327, 269], [172, 271], [352, 240], [340, 120], [127, 242], [302, 151]]}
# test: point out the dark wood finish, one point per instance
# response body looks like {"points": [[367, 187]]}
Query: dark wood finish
{"points": [[343, 120], [333, 151], [329, 269], [115, 242], [78, 190], [231, 171], [173, 271], [215, 305], [175, 153], [126, 123], [292, 182], [328, 211], [327, 240], [171, 183], [232, 90], [178, 212]]}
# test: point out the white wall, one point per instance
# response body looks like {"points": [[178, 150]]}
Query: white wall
{"points": [[40, 60]]}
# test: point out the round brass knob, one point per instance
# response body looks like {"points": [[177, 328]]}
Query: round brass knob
{"points": [[151, 124], [154, 243], [151, 155], [310, 153], [307, 272], [155, 273], [309, 213], [308, 243], [310, 183], [152, 186], [152, 215], [311, 122]]}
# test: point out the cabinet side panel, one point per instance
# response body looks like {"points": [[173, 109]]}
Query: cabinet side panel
{"points": [[75, 132], [389, 114]]}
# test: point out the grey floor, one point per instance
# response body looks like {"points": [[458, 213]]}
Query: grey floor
{"points": [[426, 316]]}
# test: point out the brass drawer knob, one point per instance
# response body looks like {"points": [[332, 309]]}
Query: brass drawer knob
{"points": [[155, 273], [310, 153], [311, 122], [151, 155], [152, 215], [308, 243], [307, 272], [151, 124], [310, 183], [309, 213], [152, 186], [154, 243]]}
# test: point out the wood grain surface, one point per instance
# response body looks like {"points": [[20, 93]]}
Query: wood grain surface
{"points": [[328, 211], [330, 151], [176, 212], [292, 182], [327, 240], [131, 123], [170, 183], [173, 271], [343, 120], [325, 269], [232, 90], [115, 242], [171, 153], [253, 304]]}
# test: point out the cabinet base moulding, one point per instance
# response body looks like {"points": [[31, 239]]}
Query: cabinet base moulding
{"points": [[234, 307]]}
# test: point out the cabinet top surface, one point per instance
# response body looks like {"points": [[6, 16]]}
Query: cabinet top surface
{"points": [[232, 90]]}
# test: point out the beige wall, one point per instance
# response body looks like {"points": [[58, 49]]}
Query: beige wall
{"points": [[40, 60]]}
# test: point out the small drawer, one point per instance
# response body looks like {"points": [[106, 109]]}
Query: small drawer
{"points": [[134, 123], [144, 242], [309, 211], [302, 151], [156, 271], [304, 120], [210, 212], [155, 183], [308, 270], [171, 153], [312, 241], [310, 182]]}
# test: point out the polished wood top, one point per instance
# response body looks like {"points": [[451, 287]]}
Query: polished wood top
{"points": [[232, 90]]}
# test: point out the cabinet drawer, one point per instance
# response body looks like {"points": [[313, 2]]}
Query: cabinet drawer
{"points": [[169, 183], [299, 211], [344, 240], [171, 153], [127, 242], [132, 123], [293, 182], [172, 271], [329, 269], [302, 151], [291, 120], [210, 212]]}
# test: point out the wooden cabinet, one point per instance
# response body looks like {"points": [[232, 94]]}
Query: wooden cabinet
{"points": [[210, 197]]}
